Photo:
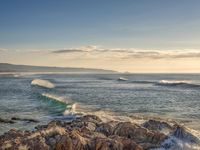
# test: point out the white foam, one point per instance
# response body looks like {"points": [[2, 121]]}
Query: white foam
{"points": [[184, 143], [70, 109], [174, 81], [42, 83], [107, 116], [173, 143], [122, 79], [56, 98]]}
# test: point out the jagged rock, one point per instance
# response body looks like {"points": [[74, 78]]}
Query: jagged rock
{"points": [[127, 143], [88, 133], [157, 125], [183, 133], [36, 143], [106, 144], [65, 143], [25, 119], [79, 142], [106, 128], [6, 121], [91, 118], [139, 134]]}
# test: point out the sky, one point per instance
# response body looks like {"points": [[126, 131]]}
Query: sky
{"points": [[124, 35]]}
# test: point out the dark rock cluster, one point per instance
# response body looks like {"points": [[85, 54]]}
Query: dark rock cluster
{"points": [[89, 133], [14, 119]]}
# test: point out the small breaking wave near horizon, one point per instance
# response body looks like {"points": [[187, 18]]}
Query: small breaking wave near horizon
{"points": [[181, 83], [170, 83], [42, 83]]}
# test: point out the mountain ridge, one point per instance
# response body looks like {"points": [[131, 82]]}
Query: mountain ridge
{"points": [[7, 67]]}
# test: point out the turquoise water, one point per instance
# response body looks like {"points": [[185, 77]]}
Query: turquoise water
{"points": [[168, 96]]}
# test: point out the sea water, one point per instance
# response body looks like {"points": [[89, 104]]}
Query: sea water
{"points": [[138, 97]]}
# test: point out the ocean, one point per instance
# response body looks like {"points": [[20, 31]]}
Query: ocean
{"points": [[125, 97]]}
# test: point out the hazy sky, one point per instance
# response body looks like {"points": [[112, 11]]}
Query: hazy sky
{"points": [[124, 35]]}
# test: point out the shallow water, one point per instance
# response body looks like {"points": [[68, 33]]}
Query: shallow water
{"points": [[139, 96]]}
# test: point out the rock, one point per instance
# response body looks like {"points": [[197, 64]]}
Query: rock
{"points": [[90, 132], [127, 143], [37, 143], [157, 125], [139, 134], [183, 133], [52, 141], [79, 142], [106, 144], [25, 119], [89, 118], [65, 143], [106, 128], [6, 121]]}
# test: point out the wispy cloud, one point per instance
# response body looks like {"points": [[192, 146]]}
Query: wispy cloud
{"points": [[123, 59], [67, 51], [76, 50], [131, 53], [3, 49]]}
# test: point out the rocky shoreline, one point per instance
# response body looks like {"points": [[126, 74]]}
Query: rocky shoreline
{"points": [[90, 132]]}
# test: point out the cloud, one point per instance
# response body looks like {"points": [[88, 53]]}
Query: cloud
{"points": [[89, 47], [92, 51], [67, 51], [77, 50], [186, 55], [95, 51], [3, 49]]}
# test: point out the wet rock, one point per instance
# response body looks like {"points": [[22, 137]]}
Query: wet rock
{"points": [[91, 118], [65, 143], [183, 133], [106, 144], [37, 143], [127, 143], [79, 142], [10, 135], [157, 125], [25, 119], [89, 132], [139, 134], [106, 128], [6, 121]]}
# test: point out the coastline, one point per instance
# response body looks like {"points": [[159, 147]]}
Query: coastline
{"points": [[90, 132]]}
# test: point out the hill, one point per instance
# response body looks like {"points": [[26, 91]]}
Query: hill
{"points": [[5, 67]]}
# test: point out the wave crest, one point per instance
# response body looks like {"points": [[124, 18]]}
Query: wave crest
{"points": [[56, 98], [177, 83], [43, 83], [122, 79]]}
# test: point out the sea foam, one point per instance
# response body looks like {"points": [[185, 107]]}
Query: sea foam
{"points": [[43, 83], [181, 83], [56, 98]]}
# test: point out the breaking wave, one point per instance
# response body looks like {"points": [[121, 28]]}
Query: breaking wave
{"points": [[170, 83], [56, 98], [177, 83], [70, 106], [43, 83], [70, 109], [122, 79], [181, 139]]}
